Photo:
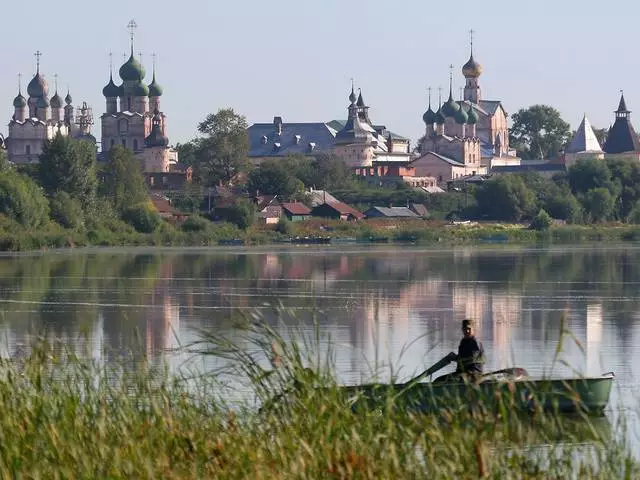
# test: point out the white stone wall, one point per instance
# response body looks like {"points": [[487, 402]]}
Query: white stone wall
{"points": [[25, 140], [355, 155]]}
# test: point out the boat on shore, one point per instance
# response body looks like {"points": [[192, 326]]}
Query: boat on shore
{"points": [[494, 391]]}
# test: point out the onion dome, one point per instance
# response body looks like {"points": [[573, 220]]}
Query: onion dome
{"points": [[429, 117], [68, 100], [472, 69], [461, 116], [43, 102], [56, 100], [140, 90], [450, 107], [38, 86], [352, 96], [440, 119], [472, 116], [19, 101], [111, 90], [132, 70], [155, 90], [156, 137]]}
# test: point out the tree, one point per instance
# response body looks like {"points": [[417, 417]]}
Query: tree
{"points": [[538, 132], [222, 152], [143, 217], [542, 221], [505, 198], [587, 174], [242, 213], [598, 204], [22, 199], [123, 183], [274, 178], [65, 210], [69, 166]]}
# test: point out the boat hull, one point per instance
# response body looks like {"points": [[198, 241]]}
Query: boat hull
{"points": [[588, 395]]}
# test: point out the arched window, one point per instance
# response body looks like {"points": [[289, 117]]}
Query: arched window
{"points": [[135, 144], [124, 142], [113, 142], [27, 149]]}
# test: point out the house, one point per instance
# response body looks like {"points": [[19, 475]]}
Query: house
{"points": [[175, 179], [390, 212], [419, 209], [295, 211], [318, 197], [269, 209], [166, 210], [338, 211]]}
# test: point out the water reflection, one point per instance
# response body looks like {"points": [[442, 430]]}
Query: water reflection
{"points": [[372, 303]]}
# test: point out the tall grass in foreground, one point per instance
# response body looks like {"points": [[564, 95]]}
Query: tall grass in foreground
{"points": [[63, 417]]}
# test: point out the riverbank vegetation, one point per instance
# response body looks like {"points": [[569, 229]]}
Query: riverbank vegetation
{"points": [[69, 418]]}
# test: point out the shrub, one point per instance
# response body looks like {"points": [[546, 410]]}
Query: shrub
{"points": [[542, 221], [284, 226], [195, 223], [242, 214], [142, 217], [65, 210], [22, 199]]}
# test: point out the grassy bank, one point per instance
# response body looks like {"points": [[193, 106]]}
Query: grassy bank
{"points": [[65, 418], [14, 237]]}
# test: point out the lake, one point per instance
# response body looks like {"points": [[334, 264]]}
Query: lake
{"points": [[379, 307]]}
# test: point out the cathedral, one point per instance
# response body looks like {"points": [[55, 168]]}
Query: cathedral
{"points": [[467, 136], [133, 117], [39, 118]]}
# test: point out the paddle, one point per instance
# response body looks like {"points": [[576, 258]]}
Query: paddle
{"points": [[439, 365]]}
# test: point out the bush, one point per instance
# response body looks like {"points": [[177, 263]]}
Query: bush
{"points": [[542, 221], [22, 199], [242, 214], [142, 217], [284, 226], [65, 210], [195, 223]]}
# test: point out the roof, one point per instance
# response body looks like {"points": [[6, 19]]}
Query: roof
{"points": [[393, 212], [450, 161], [431, 189], [622, 137], [263, 201], [344, 209], [538, 167], [339, 124], [490, 106], [301, 138], [271, 211], [164, 206], [584, 139], [296, 208], [318, 197], [420, 209]]}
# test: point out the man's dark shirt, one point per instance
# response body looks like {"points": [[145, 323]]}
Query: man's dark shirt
{"points": [[470, 356]]}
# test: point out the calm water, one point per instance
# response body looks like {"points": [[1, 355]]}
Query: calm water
{"points": [[380, 306]]}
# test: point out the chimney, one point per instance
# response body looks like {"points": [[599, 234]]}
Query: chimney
{"points": [[277, 125]]}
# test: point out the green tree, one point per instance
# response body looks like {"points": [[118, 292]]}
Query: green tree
{"points": [[69, 165], [505, 198], [222, 150], [142, 217], [598, 204], [242, 213], [65, 210], [587, 174], [123, 183], [22, 199], [274, 178], [538, 132], [542, 221]]}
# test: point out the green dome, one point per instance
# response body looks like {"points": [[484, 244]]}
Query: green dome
{"points": [[440, 117], [450, 107], [43, 102], [111, 90], [461, 116], [19, 101], [132, 70], [38, 86], [56, 100], [473, 116], [429, 117], [155, 90], [140, 90], [68, 100]]}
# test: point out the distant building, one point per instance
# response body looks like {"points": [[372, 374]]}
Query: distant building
{"points": [[468, 136], [338, 211], [37, 119], [622, 139], [295, 211], [390, 212], [357, 141], [584, 144]]}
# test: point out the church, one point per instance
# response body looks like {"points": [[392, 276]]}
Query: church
{"points": [[133, 117], [467, 136], [38, 118]]}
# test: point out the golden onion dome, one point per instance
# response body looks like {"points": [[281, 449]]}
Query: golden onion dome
{"points": [[472, 69]]}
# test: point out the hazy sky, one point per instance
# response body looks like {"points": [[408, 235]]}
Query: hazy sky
{"points": [[295, 58]]}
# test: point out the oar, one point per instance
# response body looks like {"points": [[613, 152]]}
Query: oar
{"points": [[439, 365]]}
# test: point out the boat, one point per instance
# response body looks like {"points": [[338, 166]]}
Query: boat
{"points": [[510, 388]]}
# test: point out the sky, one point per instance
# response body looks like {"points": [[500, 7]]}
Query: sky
{"points": [[295, 59]]}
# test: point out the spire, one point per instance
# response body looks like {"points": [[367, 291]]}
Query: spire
{"points": [[19, 84], [132, 25], [584, 139], [451, 82], [471, 32], [360, 102], [451, 107], [429, 90], [622, 106], [471, 69], [38, 54], [352, 95]]}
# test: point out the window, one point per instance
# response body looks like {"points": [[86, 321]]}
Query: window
{"points": [[151, 181], [124, 142], [123, 125], [135, 144], [113, 142], [165, 180], [27, 149]]}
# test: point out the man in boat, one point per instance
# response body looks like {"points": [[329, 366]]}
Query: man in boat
{"points": [[470, 355]]}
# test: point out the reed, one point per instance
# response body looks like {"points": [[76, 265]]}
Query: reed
{"points": [[64, 417]]}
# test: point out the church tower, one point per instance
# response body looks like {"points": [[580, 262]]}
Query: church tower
{"points": [[472, 71]]}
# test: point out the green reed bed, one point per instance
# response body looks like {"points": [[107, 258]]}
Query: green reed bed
{"points": [[63, 417]]}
